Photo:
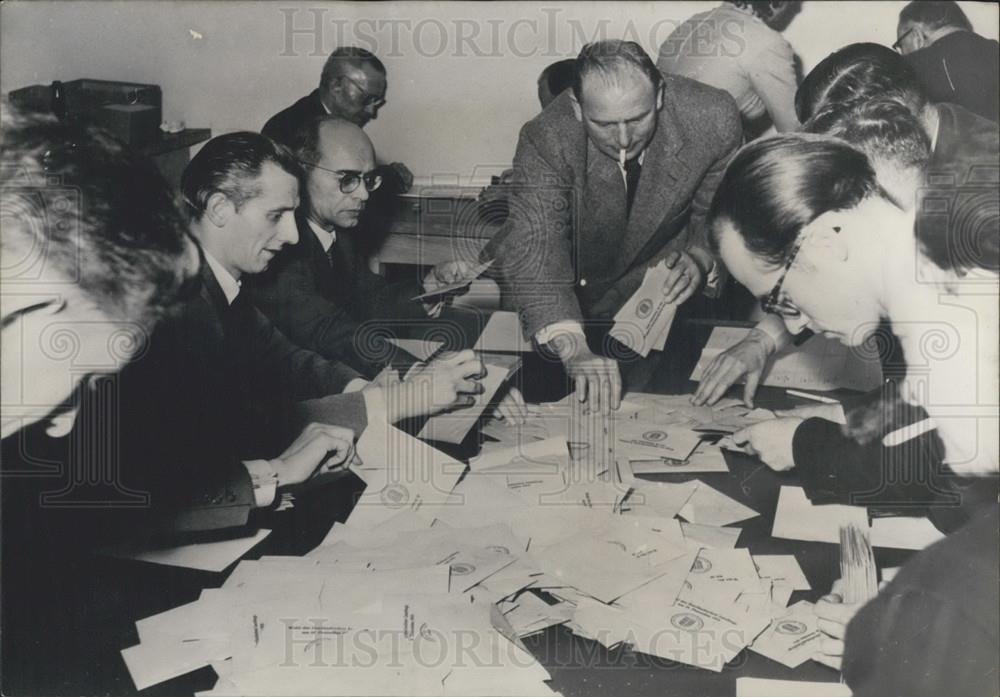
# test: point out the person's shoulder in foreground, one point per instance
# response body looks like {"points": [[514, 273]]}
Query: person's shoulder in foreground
{"points": [[933, 630]]}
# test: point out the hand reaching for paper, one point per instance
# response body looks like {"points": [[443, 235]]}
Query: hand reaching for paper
{"points": [[748, 358], [771, 441], [512, 408], [596, 379], [319, 448], [449, 381]]}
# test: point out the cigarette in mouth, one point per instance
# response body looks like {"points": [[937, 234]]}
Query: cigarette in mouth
{"points": [[621, 157]]}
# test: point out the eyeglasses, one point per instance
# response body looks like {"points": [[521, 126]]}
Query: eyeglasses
{"points": [[898, 45], [351, 179], [773, 303], [371, 100]]}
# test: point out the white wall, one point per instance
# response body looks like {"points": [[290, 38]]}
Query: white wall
{"points": [[461, 75]]}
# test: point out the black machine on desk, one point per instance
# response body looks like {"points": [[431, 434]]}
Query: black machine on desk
{"points": [[130, 111]]}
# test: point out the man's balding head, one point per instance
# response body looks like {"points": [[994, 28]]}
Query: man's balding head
{"points": [[334, 152], [353, 84]]}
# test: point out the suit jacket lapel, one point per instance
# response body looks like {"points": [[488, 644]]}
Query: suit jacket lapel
{"points": [[662, 166]]}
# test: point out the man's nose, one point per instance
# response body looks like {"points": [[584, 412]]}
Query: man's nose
{"points": [[361, 193], [288, 231], [623, 135]]}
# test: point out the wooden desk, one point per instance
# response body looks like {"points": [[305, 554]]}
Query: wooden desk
{"points": [[436, 227]]}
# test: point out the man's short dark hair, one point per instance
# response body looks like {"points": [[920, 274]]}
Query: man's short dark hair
{"points": [[775, 186], [558, 76], [344, 57], [881, 129], [230, 164], [857, 73], [935, 15], [608, 58], [93, 213]]}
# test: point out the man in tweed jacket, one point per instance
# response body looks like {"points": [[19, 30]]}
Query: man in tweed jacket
{"points": [[586, 222]]}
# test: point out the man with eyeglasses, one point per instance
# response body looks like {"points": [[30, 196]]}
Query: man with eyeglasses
{"points": [[352, 86], [320, 290], [953, 63]]}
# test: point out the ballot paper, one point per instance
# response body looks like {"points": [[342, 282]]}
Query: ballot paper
{"points": [[664, 499], [421, 349], [819, 364], [705, 458], [706, 632], [782, 569], [441, 291], [402, 473], [717, 571], [642, 440], [643, 323], [796, 518], [550, 456], [626, 554], [766, 687], [710, 506], [452, 426], [904, 532], [204, 556], [698, 536], [793, 638], [503, 333]]}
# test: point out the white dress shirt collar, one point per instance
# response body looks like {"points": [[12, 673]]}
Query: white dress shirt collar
{"points": [[325, 237], [230, 285]]}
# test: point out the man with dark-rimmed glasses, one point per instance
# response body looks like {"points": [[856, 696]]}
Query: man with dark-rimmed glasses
{"points": [[320, 290], [352, 86]]}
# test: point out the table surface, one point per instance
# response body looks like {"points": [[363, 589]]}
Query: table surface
{"points": [[579, 667]]}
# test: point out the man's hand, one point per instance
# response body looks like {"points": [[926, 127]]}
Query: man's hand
{"points": [[834, 615], [512, 408], [684, 279], [319, 448], [447, 272], [449, 381], [404, 175], [830, 412], [747, 358], [771, 441], [597, 380]]}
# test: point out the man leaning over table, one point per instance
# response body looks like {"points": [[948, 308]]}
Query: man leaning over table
{"points": [[613, 177]]}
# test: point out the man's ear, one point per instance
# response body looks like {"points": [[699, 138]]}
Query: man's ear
{"points": [[577, 109], [219, 209], [659, 97], [920, 37]]}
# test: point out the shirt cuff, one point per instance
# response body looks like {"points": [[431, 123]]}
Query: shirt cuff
{"points": [[264, 480], [356, 385], [551, 331]]}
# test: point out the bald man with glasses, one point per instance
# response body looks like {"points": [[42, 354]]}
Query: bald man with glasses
{"points": [[320, 290]]}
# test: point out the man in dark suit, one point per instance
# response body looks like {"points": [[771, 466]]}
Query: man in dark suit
{"points": [[352, 86], [243, 214], [320, 290], [585, 225], [953, 63]]}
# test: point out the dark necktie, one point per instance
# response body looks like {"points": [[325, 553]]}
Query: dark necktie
{"points": [[632, 171]]}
